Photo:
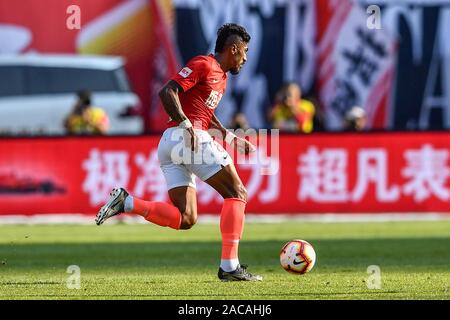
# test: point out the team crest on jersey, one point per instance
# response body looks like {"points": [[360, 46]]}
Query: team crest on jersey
{"points": [[185, 72], [213, 99]]}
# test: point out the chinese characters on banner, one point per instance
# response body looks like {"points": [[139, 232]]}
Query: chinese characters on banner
{"points": [[355, 64], [324, 175], [387, 172]]}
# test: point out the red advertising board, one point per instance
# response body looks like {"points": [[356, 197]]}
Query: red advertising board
{"points": [[322, 173]]}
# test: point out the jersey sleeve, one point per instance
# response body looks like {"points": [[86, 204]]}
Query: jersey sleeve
{"points": [[195, 71]]}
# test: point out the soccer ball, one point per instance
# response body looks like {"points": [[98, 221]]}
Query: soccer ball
{"points": [[297, 256]]}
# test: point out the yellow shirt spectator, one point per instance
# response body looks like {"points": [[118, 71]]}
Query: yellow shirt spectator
{"points": [[86, 119], [93, 120], [291, 113]]}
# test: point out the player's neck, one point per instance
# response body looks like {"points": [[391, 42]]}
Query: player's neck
{"points": [[221, 60]]}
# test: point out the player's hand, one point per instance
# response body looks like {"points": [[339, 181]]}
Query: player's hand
{"points": [[244, 146]]}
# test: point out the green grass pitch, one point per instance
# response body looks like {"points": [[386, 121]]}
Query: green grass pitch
{"points": [[121, 261]]}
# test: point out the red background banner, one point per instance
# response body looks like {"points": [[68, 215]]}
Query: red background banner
{"points": [[344, 173]]}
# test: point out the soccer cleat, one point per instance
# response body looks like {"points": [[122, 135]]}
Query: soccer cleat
{"points": [[113, 207], [240, 274]]}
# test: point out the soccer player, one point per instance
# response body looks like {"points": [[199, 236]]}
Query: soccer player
{"points": [[190, 99]]}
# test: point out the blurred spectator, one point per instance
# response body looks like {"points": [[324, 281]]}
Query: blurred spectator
{"points": [[319, 116], [239, 121], [355, 119], [291, 113], [85, 118]]}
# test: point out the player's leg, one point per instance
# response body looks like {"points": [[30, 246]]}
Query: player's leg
{"points": [[228, 183], [181, 214], [160, 213], [185, 199], [221, 174], [230, 187], [232, 218]]}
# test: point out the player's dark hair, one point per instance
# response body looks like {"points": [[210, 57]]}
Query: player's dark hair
{"points": [[228, 30]]}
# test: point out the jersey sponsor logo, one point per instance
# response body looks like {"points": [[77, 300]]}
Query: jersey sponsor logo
{"points": [[213, 99], [185, 72]]}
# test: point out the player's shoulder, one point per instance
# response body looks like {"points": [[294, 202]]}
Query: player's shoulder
{"points": [[202, 58], [202, 61]]}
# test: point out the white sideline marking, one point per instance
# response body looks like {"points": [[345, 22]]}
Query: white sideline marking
{"points": [[214, 219]]}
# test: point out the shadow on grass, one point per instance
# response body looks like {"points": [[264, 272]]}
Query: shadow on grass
{"points": [[187, 256]]}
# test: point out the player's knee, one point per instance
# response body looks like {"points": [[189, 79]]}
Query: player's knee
{"points": [[188, 220]]}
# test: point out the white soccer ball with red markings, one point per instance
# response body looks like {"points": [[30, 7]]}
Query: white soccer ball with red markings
{"points": [[297, 257]]}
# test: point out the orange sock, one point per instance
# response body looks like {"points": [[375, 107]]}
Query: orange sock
{"points": [[231, 227], [160, 213]]}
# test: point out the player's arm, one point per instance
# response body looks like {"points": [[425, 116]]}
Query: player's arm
{"points": [[194, 71], [216, 124], [171, 102], [243, 146], [172, 105]]}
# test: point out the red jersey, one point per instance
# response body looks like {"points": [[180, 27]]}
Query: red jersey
{"points": [[204, 83]]}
